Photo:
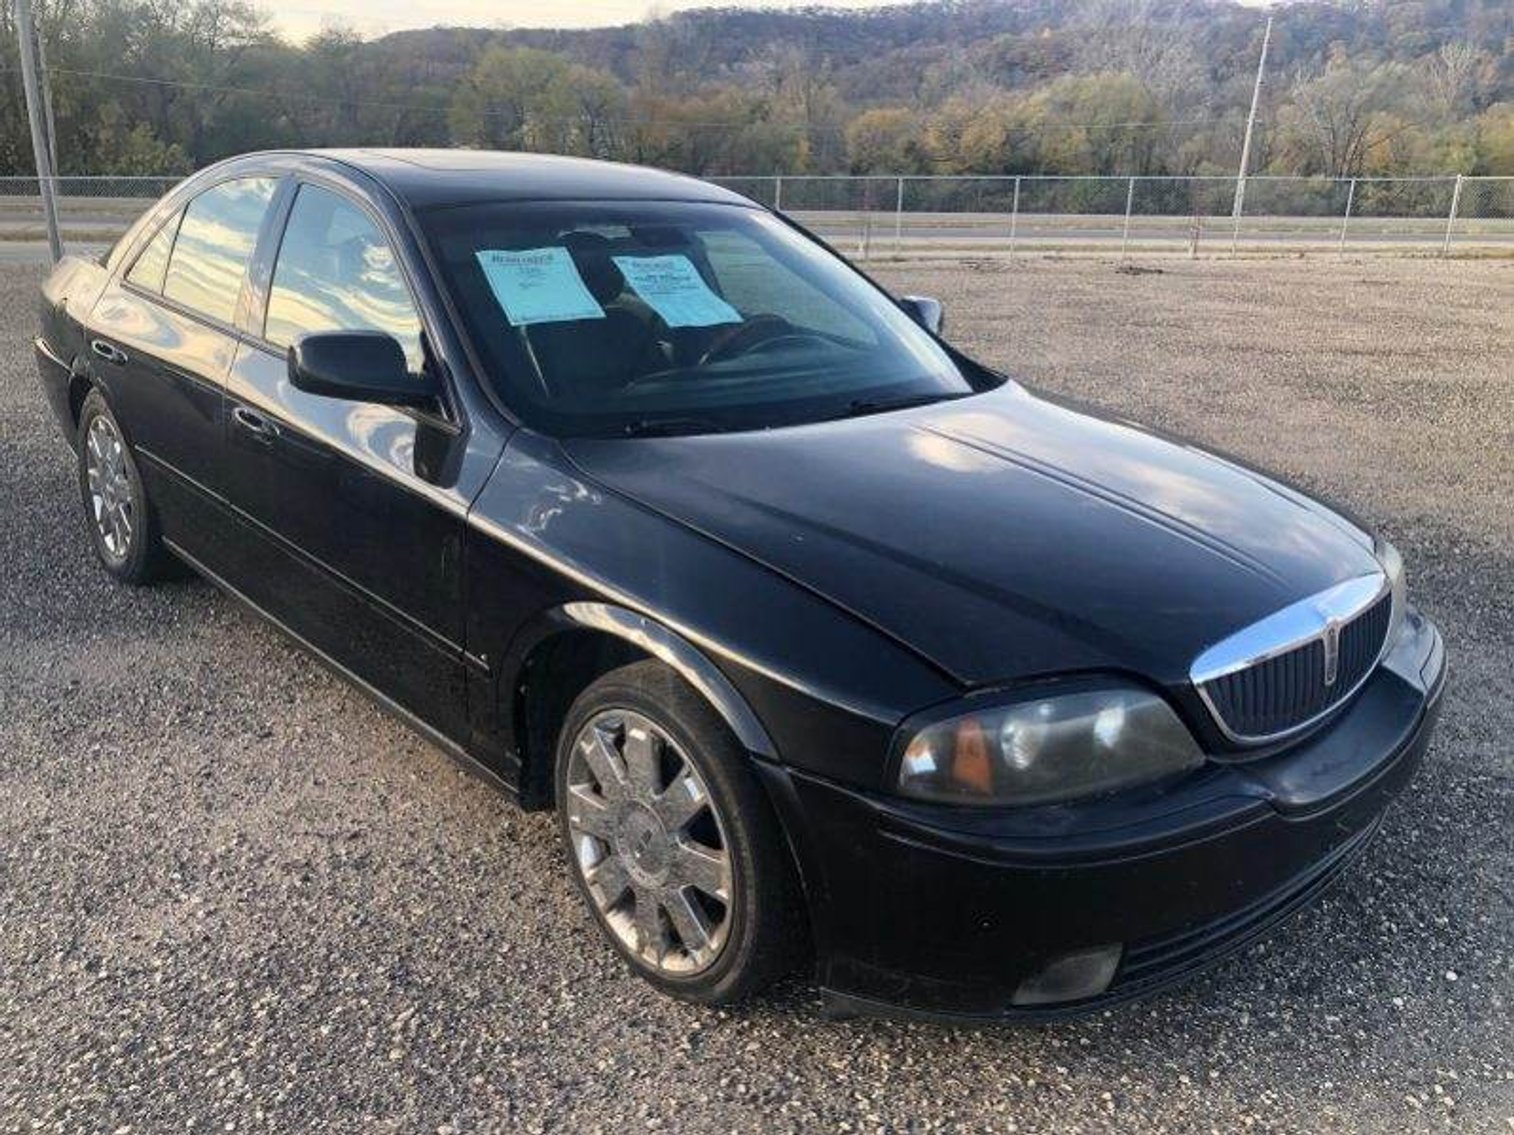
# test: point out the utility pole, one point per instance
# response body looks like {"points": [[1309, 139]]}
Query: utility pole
{"points": [[47, 99], [35, 111], [1256, 97]]}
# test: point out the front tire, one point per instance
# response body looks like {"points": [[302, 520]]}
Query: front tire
{"points": [[122, 526], [672, 841]]}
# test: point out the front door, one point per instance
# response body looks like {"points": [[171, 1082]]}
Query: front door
{"points": [[350, 513]]}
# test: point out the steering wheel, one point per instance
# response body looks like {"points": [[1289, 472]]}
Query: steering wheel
{"points": [[759, 331]]}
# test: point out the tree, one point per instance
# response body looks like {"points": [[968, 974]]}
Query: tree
{"points": [[521, 98], [1495, 140], [508, 100], [598, 107], [1328, 125], [885, 139], [131, 150], [1454, 78], [1108, 123]]}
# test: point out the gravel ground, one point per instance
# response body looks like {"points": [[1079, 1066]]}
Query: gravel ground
{"points": [[238, 897]]}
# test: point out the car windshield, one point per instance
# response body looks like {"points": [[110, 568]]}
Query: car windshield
{"points": [[608, 318]]}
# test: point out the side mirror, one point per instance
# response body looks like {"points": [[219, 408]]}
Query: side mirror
{"points": [[927, 311], [358, 366]]}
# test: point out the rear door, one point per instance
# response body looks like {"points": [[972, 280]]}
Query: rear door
{"points": [[350, 514], [162, 338]]}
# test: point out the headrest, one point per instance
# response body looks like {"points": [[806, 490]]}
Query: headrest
{"points": [[591, 253]]}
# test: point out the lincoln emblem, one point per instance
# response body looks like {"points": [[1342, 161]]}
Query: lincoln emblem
{"points": [[1332, 641]]}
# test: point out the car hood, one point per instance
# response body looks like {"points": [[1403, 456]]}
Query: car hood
{"points": [[1002, 535]]}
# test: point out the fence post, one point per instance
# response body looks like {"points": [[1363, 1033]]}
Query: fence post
{"points": [[1014, 218], [1346, 220], [865, 237], [899, 219], [778, 193], [1129, 201], [1445, 248]]}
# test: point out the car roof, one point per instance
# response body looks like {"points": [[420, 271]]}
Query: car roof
{"points": [[423, 178]]}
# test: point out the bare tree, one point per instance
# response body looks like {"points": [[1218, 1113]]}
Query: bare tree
{"points": [[1329, 121], [1454, 78]]}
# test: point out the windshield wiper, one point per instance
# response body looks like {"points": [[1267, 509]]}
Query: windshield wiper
{"points": [[859, 406], [664, 427]]}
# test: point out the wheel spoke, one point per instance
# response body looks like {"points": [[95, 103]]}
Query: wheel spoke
{"points": [[641, 762], [588, 812], [681, 801], [600, 754], [690, 922], [651, 939], [608, 881], [703, 867]]}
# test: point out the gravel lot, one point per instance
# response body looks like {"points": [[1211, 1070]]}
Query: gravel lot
{"points": [[237, 897]]}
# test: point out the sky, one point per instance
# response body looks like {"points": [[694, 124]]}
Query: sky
{"points": [[375, 17]]}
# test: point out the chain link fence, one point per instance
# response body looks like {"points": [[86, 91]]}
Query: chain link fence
{"points": [[91, 210], [879, 217]]}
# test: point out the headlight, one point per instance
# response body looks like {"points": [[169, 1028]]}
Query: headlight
{"points": [[1047, 749]]}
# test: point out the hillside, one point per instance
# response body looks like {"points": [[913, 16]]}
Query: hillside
{"points": [[1060, 86]]}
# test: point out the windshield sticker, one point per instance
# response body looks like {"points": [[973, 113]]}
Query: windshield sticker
{"points": [[675, 290], [538, 285]]}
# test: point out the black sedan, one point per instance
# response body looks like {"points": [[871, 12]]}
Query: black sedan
{"points": [[826, 642]]}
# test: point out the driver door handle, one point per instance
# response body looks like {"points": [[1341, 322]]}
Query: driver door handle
{"points": [[254, 423], [108, 351]]}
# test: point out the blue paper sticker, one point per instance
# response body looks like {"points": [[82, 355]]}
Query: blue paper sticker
{"points": [[538, 285], [675, 290]]}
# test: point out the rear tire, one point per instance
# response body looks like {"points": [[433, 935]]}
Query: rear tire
{"points": [[123, 528], [672, 841]]}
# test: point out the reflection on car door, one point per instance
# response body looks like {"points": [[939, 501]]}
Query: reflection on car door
{"points": [[350, 516], [162, 340]]}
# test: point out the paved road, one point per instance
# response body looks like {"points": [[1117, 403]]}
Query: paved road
{"points": [[236, 897], [926, 232]]}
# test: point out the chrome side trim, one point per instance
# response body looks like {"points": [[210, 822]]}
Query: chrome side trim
{"points": [[1288, 629]]}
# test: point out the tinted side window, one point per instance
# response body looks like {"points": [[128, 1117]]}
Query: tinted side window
{"points": [[215, 242], [148, 271], [336, 272]]}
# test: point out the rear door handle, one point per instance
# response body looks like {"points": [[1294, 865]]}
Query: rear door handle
{"points": [[254, 423], [108, 351]]}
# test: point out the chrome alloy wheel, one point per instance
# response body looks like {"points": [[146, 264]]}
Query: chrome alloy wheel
{"points": [[110, 489], [649, 843]]}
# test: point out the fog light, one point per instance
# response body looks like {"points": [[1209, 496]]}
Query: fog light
{"points": [[1072, 977]]}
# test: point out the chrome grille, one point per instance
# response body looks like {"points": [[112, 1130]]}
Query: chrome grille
{"points": [[1290, 669]]}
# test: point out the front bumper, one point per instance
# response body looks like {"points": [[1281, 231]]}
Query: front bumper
{"points": [[945, 912]]}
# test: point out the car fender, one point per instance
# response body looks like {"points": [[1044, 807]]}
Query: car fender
{"points": [[799, 680], [660, 642]]}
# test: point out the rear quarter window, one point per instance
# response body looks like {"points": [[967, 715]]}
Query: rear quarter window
{"points": [[214, 245], [152, 264]]}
